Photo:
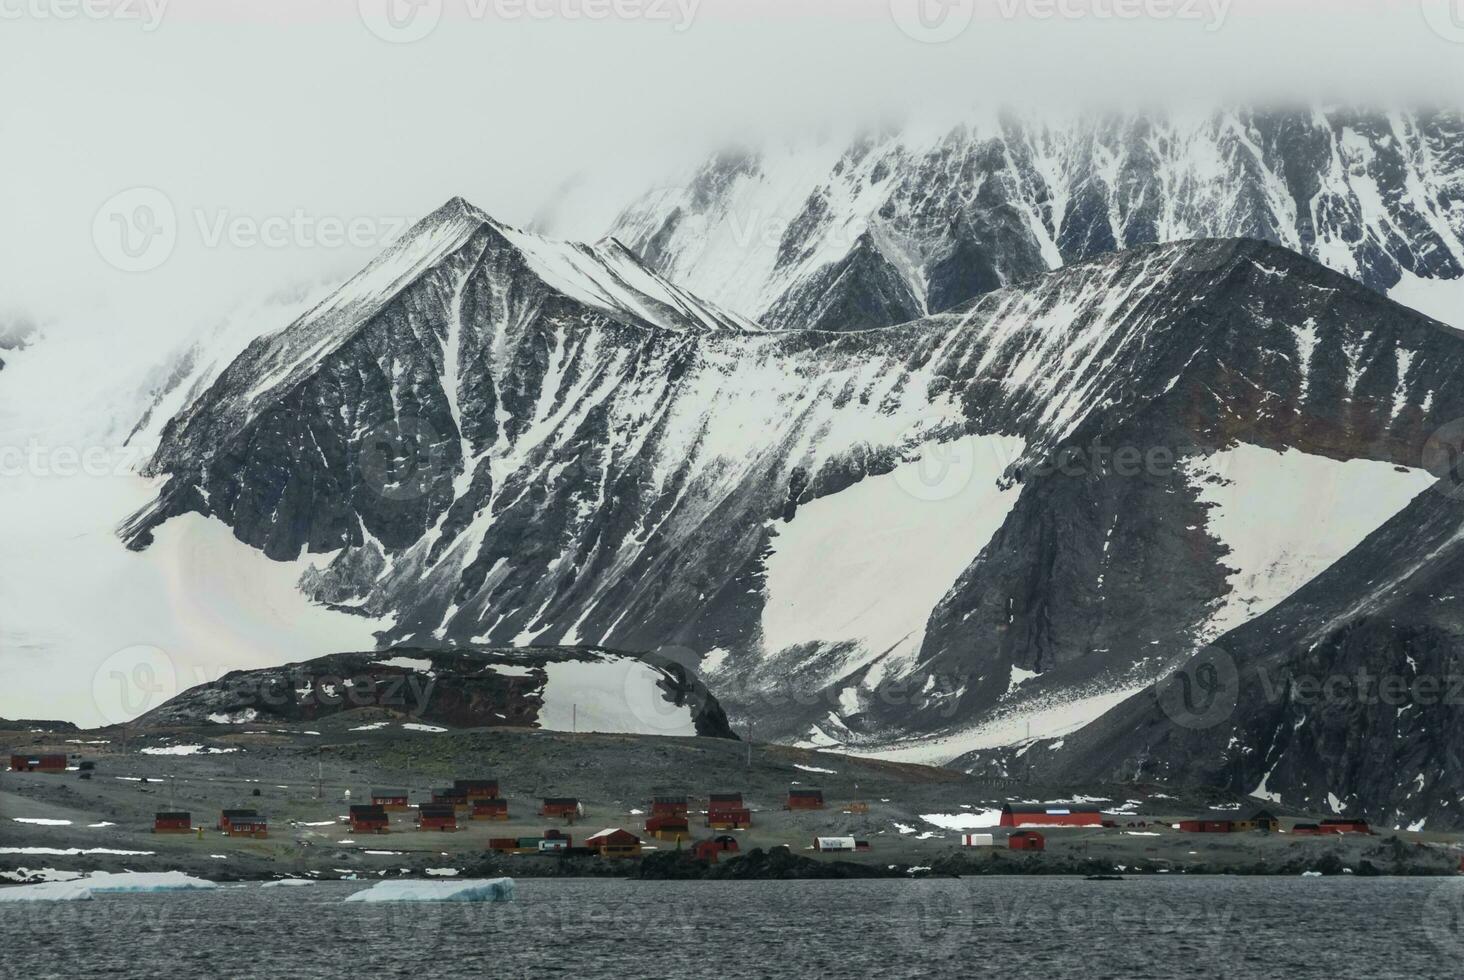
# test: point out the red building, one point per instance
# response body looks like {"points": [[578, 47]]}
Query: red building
{"points": [[1346, 827], [173, 823], [1206, 826], [496, 809], [450, 796], [805, 799], [669, 806], [1027, 840], [669, 828], [37, 763], [1050, 815], [560, 807], [477, 789], [705, 850], [370, 820], [228, 818], [503, 845], [393, 800], [255, 826], [615, 843], [439, 817], [725, 811]]}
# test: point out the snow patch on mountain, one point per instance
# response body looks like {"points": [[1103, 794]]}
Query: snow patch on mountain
{"points": [[869, 564], [617, 695], [1287, 517]]}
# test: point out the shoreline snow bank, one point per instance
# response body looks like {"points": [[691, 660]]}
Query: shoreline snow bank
{"points": [[485, 890]]}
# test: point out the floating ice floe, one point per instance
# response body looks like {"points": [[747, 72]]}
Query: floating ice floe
{"points": [[485, 890], [106, 883], [103, 883], [288, 883], [50, 891]]}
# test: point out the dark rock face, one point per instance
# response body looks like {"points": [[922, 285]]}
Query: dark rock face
{"points": [[1348, 697], [508, 442], [456, 688], [1375, 196]]}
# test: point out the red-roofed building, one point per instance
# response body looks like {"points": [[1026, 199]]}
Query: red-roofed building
{"points": [[1027, 840], [1050, 815], [615, 843]]}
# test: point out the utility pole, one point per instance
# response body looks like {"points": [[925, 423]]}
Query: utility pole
{"points": [[574, 719], [749, 743]]}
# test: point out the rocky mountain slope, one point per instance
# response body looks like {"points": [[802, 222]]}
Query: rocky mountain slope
{"points": [[553, 689], [1035, 502], [1347, 697], [906, 222]]}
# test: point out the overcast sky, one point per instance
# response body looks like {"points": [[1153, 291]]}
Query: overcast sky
{"points": [[328, 124], [240, 111]]}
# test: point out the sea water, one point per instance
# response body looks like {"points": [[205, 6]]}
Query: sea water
{"points": [[1165, 927]]}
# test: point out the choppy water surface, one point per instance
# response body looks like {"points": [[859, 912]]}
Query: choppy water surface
{"points": [[592, 929]]}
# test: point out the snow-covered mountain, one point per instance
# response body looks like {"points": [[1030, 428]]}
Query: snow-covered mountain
{"points": [[1347, 697], [902, 223], [898, 539]]}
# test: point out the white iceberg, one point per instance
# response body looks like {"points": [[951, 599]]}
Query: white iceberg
{"points": [[106, 883], [485, 890], [288, 883], [51, 891]]}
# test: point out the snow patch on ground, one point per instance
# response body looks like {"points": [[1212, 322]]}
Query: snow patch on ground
{"points": [[975, 820], [42, 821], [186, 750], [419, 664]]}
